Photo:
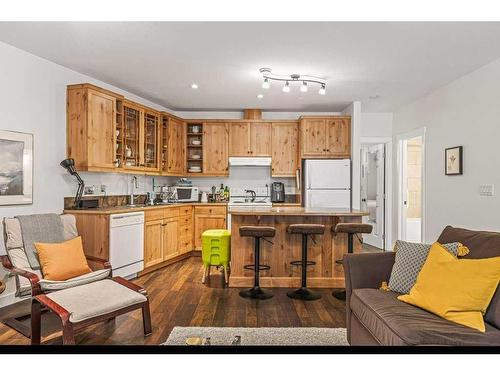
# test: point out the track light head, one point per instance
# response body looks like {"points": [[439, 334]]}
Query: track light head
{"points": [[265, 84], [286, 88], [322, 90], [303, 88]]}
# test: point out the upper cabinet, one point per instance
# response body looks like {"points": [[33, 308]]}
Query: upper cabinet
{"points": [[175, 147], [215, 149], [328, 137], [92, 118], [285, 149], [250, 139]]}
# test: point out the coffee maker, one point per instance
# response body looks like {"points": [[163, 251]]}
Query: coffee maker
{"points": [[277, 192]]}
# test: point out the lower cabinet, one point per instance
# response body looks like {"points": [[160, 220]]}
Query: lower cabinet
{"points": [[208, 217], [168, 233]]}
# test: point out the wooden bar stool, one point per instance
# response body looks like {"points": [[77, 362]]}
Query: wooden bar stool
{"points": [[305, 230], [351, 229], [258, 233]]}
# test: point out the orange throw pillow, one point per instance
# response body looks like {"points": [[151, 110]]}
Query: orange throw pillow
{"points": [[62, 261]]}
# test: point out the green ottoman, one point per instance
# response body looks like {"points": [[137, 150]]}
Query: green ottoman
{"points": [[216, 251]]}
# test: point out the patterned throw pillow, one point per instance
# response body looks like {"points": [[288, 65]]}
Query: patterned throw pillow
{"points": [[410, 258]]}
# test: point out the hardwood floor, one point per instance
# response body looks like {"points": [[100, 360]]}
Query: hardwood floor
{"points": [[178, 298]]}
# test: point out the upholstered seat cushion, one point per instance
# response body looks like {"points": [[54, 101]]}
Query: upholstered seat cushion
{"points": [[393, 322], [257, 231], [352, 228], [50, 285], [95, 299], [306, 228]]}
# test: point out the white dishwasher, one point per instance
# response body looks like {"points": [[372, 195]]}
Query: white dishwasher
{"points": [[126, 243]]}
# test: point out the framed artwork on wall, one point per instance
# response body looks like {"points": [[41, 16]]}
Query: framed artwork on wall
{"points": [[16, 168], [453, 161]]}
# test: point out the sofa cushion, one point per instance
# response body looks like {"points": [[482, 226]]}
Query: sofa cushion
{"points": [[481, 244], [393, 322], [95, 299], [410, 258]]}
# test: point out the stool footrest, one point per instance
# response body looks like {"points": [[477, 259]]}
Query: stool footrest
{"points": [[339, 261], [299, 263], [262, 267]]}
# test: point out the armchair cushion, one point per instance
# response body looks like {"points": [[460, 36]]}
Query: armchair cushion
{"points": [[62, 261], [50, 285], [95, 299]]}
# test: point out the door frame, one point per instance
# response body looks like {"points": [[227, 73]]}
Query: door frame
{"points": [[420, 132], [388, 224]]}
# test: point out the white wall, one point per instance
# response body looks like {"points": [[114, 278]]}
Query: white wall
{"points": [[376, 124], [354, 110], [33, 100], [465, 112]]}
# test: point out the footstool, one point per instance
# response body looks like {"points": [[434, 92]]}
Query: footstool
{"points": [[84, 305], [216, 251]]}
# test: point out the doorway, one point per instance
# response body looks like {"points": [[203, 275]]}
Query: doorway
{"points": [[373, 192], [411, 187]]}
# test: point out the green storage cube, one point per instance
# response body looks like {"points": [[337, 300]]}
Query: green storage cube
{"points": [[216, 249]]}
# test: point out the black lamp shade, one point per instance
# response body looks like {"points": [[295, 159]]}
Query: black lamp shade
{"points": [[69, 165]]}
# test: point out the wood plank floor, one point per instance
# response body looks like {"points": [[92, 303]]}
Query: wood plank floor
{"points": [[178, 298]]}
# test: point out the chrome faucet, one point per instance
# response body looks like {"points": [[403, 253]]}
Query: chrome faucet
{"points": [[135, 184], [252, 196]]}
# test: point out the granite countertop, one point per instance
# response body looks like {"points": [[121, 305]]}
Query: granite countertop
{"points": [[125, 209], [294, 211]]}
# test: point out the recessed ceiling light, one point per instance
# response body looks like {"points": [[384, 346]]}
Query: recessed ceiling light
{"points": [[260, 96], [194, 86]]}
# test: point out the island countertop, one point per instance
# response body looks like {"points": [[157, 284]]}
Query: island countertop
{"points": [[293, 211]]}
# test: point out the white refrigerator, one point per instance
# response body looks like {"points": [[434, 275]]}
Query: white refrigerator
{"points": [[327, 183]]}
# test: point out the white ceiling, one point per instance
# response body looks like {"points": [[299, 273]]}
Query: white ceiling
{"points": [[400, 62]]}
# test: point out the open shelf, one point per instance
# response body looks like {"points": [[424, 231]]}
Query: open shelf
{"points": [[191, 149]]}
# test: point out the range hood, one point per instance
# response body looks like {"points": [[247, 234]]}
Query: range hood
{"points": [[250, 162]]}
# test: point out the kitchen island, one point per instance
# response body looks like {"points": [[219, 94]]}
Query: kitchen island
{"points": [[325, 251]]}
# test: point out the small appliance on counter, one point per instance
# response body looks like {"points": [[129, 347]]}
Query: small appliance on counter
{"points": [[185, 193], [277, 192]]}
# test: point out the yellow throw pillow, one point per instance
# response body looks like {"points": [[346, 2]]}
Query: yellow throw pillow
{"points": [[62, 261], [458, 290]]}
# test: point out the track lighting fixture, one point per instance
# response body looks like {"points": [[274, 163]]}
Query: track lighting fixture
{"points": [[305, 80]]}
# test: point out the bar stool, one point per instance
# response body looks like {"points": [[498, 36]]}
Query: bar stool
{"points": [[305, 230], [351, 229], [258, 233]]}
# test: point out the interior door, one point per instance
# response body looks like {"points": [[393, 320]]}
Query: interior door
{"points": [[373, 192], [101, 130]]}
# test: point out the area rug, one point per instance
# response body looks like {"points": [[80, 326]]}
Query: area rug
{"points": [[261, 336]]}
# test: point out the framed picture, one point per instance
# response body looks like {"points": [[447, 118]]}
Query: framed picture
{"points": [[453, 160], [16, 168]]}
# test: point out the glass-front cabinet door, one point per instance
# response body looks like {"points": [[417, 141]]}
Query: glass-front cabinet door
{"points": [[132, 128], [151, 131]]}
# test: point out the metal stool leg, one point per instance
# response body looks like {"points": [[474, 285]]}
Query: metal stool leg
{"points": [[256, 292], [341, 294], [304, 293]]}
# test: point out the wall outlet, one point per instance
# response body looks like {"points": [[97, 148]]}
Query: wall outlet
{"points": [[103, 189], [89, 190], [487, 190]]}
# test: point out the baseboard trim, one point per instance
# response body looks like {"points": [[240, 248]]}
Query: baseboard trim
{"points": [[7, 299]]}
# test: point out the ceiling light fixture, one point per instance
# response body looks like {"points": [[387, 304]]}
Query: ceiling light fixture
{"points": [[194, 86], [268, 76], [260, 96], [286, 88]]}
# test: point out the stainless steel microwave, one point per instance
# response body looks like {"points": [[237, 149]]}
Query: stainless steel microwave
{"points": [[186, 193]]}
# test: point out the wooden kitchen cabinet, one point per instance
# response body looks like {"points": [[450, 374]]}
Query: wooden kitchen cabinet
{"points": [[208, 217], [92, 119], [285, 149], [328, 137], [176, 151], [215, 149], [170, 232], [153, 243], [250, 139]]}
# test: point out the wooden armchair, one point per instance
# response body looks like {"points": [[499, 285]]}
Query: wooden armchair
{"points": [[62, 297]]}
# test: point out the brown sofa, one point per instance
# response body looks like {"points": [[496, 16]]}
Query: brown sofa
{"points": [[376, 317]]}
